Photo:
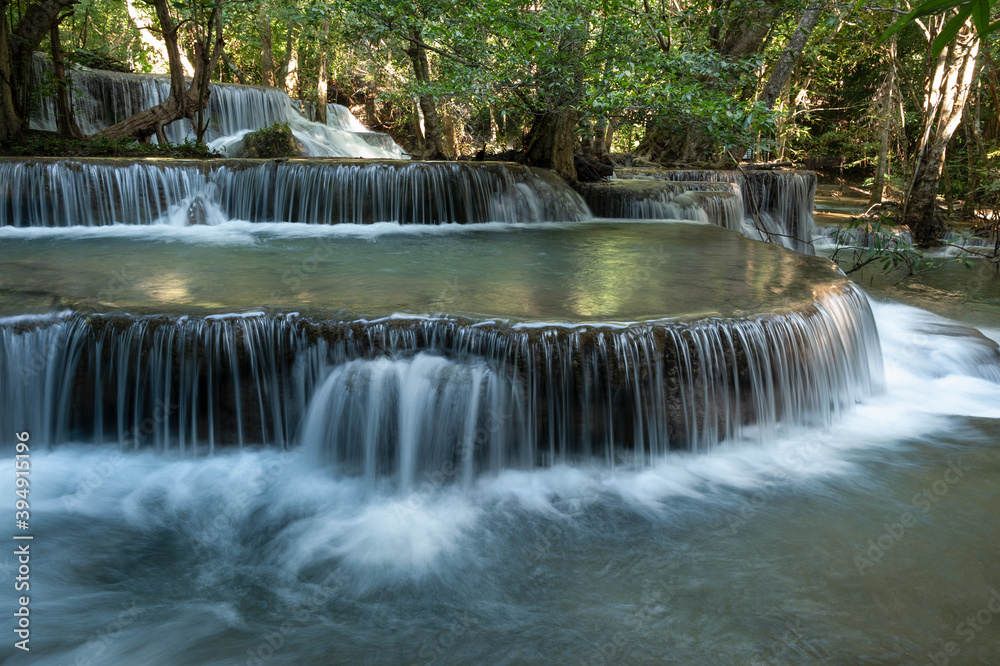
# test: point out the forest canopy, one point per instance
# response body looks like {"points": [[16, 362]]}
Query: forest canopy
{"points": [[905, 95]]}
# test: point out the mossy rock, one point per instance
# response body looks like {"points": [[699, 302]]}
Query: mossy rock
{"points": [[272, 141], [37, 143]]}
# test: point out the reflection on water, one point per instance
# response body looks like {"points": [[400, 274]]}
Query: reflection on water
{"points": [[597, 271]]}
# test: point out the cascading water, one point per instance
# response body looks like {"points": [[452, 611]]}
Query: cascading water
{"points": [[777, 204], [402, 397], [559, 443], [151, 558], [716, 203], [103, 98], [56, 193]]}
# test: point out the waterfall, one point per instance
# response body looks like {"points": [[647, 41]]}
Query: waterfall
{"points": [[777, 205], [413, 416], [716, 203], [399, 397], [340, 117], [103, 98], [183, 383], [619, 200], [54, 193]]}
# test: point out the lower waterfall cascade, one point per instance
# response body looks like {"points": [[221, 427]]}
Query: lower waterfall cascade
{"points": [[540, 396]]}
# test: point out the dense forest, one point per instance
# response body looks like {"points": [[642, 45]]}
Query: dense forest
{"points": [[906, 98]]}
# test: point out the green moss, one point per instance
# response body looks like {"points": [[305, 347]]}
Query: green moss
{"points": [[272, 141], [46, 144], [99, 59]]}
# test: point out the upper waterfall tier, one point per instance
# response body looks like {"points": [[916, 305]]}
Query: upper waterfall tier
{"points": [[103, 98], [98, 192]]}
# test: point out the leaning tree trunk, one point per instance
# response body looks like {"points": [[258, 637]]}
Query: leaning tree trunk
{"points": [[791, 54], [238, 74], [943, 105], [65, 120], [433, 144], [185, 100]]}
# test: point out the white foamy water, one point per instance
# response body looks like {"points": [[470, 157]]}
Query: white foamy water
{"points": [[147, 558]]}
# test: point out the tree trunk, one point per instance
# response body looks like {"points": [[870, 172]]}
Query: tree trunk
{"points": [[595, 146], [17, 44], [266, 55], [992, 129], [288, 73], [238, 74], [185, 100], [975, 147], [551, 140], [290, 76], [746, 30], [791, 54], [417, 128], [977, 156], [878, 187], [433, 145], [10, 118], [943, 105], [324, 74], [65, 121], [86, 28]]}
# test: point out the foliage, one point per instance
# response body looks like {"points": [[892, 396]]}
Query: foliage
{"points": [[42, 144], [636, 66], [875, 239], [982, 239], [979, 10], [675, 89], [272, 141], [99, 59]]}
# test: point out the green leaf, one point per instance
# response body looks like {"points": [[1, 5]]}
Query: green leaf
{"points": [[935, 7], [951, 29], [930, 7], [981, 16]]}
